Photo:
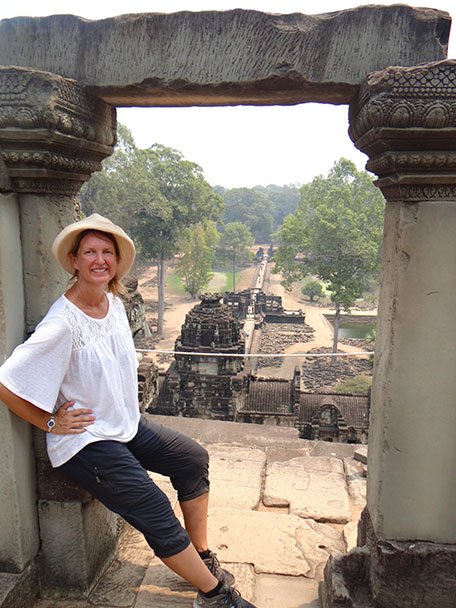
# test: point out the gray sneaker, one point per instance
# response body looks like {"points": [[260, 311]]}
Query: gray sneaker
{"points": [[230, 598], [220, 573]]}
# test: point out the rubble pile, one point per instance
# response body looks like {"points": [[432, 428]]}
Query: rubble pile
{"points": [[275, 338], [321, 373]]}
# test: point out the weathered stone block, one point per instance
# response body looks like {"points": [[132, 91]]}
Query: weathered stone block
{"points": [[78, 542], [284, 544], [356, 481], [385, 573], [413, 574], [226, 57], [236, 476], [19, 590], [361, 454], [295, 592], [313, 487], [346, 581]]}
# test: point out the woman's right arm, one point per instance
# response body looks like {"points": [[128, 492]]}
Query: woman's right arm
{"points": [[66, 421]]}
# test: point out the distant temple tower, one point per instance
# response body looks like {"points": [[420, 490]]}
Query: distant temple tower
{"points": [[203, 386]]}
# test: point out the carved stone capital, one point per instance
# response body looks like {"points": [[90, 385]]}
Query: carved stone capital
{"points": [[404, 119], [53, 134]]}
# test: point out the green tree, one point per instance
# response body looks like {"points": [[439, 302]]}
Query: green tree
{"points": [[284, 200], [154, 194], [312, 289], [178, 198], [335, 234], [197, 248], [252, 208], [107, 191], [234, 242]]}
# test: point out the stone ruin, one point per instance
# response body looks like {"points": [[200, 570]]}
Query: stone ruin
{"points": [[136, 313], [267, 308], [198, 385], [134, 307], [224, 388], [58, 122]]}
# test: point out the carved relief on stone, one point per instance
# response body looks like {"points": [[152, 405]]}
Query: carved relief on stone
{"points": [[404, 119], [53, 134]]}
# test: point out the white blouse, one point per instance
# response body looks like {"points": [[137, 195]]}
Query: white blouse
{"points": [[74, 357]]}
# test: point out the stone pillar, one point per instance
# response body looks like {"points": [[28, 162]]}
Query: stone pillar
{"points": [[53, 135], [405, 120], [19, 539]]}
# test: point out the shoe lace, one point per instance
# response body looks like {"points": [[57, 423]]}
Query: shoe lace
{"points": [[233, 597], [215, 564]]}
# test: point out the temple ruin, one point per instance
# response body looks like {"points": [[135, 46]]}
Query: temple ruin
{"points": [[224, 387], [199, 385], [58, 98]]}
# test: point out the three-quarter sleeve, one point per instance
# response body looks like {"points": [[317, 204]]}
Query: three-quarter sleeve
{"points": [[35, 370]]}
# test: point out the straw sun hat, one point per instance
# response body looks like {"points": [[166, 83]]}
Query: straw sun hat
{"points": [[65, 240]]}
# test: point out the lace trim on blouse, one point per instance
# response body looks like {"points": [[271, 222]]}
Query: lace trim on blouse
{"points": [[85, 330]]}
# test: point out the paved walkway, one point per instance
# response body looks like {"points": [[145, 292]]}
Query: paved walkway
{"points": [[279, 506]]}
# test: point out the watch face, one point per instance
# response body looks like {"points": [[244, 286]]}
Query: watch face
{"points": [[51, 423]]}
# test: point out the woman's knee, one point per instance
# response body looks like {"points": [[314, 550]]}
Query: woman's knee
{"points": [[201, 456], [192, 480]]}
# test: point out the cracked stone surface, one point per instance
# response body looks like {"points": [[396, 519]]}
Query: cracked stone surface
{"points": [[274, 543], [296, 592], [313, 487], [161, 588], [119, 586], [350, 533], [236, 476], [356, 481]]}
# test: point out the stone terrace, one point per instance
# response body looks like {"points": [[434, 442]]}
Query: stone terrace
{"points": [[279, 506]]}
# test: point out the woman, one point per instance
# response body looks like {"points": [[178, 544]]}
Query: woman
{"points": [[76, 378]]}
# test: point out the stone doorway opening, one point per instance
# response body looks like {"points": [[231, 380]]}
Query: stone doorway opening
{"points": [[58, 123]]}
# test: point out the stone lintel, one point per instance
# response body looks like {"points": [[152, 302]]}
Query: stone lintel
{"points": [[53, 135], [264, 92], [226, 57], [404, 119]]}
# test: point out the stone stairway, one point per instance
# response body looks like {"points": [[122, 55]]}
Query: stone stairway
{"points": [[279, 507]]}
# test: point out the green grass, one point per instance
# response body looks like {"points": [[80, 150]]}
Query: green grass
{"points": [[357, 385], [228, 286], [175, 285]]}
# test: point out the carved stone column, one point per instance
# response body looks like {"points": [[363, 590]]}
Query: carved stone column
{"points": [[53, 135], [405, 120]]}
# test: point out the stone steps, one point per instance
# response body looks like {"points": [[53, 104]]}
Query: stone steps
{"points": [[279, 507]]}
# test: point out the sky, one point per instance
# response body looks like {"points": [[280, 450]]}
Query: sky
{"points": [[239, 146]]}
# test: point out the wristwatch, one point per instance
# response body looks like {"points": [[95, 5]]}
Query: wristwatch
{"points": [[50, 424]]}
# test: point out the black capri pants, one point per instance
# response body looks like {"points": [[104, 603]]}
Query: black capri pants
{"points": [[116, 474]]}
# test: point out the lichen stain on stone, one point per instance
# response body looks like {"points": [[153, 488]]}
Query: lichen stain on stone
{"points": [[404, 260], [409, 215]]}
